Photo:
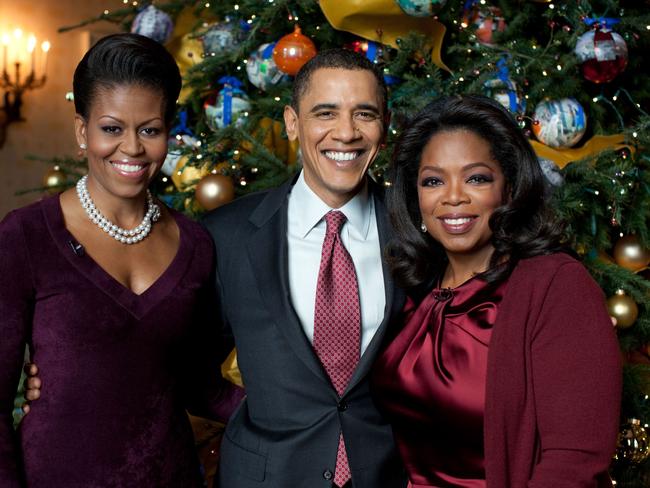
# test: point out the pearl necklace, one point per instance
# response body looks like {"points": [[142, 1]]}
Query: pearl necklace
{"points": [[118, 233]]}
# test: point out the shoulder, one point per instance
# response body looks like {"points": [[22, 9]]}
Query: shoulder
{"points": [[15, 220], [547, 264], [555, 273], [233, 212]]}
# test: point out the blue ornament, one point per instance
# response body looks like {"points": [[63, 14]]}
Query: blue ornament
{"points": [[230, 106], [421, 8], [504, 90], [153, 23]]}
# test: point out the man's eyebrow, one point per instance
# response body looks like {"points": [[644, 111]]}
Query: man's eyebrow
{"points": [[333, 106], [324, 106]]}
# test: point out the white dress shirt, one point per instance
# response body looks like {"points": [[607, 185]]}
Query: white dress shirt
{"points": [[306, 232]]}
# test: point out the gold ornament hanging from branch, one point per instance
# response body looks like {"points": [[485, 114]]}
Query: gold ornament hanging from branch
{"points": [[623, 308], [214, 190], [630, 254], [633, 444], [54, 180]]}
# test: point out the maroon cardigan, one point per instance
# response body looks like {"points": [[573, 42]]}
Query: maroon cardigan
{"points": [[553, 380]]}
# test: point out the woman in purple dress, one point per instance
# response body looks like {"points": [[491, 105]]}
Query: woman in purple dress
{"points": [[507, 358], [112, 292]]}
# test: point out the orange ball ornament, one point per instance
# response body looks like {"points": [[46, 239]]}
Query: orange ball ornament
{"points": [[292, 51], [214, 190]]}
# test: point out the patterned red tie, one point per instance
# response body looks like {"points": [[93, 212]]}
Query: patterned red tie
{"points": [[337, 319]]}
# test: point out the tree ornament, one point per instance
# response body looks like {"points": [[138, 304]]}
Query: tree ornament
{"points": [[214, 190], [229, 106], [559, 123], [175, 146], [421, 8], [485, 22], [630, 254], [153, 23], [633, 445], [292, 51], [601, 52], [623, 309], [54, 180], [551, 172], [186, 175], [261, 68], [221, 37], [504, 90]]}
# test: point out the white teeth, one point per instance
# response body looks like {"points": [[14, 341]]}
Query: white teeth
{"points": [[342, 156], [460, 221], [128, 168]]}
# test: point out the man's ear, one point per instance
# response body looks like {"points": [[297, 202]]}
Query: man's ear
{"points": [[291, 122], [80, 130]]}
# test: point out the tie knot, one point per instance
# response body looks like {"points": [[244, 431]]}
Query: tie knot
{"points": [[335, 220]]}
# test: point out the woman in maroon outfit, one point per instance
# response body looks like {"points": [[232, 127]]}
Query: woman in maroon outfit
{"points": [[507, 358], [113, 293]]}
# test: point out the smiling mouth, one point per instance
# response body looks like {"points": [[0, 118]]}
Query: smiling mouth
{"points": [[457, 225], [457, 221], [128, 167], [342, 156]]}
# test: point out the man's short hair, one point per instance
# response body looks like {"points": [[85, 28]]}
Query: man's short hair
{"points": [[336, 59]]}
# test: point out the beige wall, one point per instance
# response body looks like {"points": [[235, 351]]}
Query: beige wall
{"points": [[47, 129]]}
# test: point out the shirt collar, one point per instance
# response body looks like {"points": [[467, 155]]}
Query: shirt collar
{"points": [[310, 209]]}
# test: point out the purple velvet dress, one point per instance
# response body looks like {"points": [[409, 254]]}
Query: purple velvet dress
{"points": [[118, 369], [430, 381]]}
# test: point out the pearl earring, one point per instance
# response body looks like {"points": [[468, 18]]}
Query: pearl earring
{"points": [[83, 146], [423, 227]]}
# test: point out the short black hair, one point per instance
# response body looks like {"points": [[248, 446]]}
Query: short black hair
{"points": [[336, 59], [126, 59], [522, 227]]}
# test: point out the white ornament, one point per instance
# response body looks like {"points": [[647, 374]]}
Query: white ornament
{"points": [[261, 68], [559, 123], [153, 23]]}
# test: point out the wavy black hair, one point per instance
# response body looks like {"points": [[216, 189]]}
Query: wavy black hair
{"points": [[126, 59], [522, 227], [337, 58]]}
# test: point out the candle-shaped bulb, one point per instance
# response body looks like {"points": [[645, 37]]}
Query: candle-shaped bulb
{"points": [[45, 46], [18, 34], [31, 43], [6, 39]]}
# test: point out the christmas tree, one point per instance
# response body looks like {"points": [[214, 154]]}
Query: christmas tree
{"points": [[569, 71]]}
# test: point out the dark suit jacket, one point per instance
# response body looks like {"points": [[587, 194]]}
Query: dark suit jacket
{"points": [[285, 434]]}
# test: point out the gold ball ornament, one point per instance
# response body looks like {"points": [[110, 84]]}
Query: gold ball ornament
{"points": [[633, 443], [214, 191], [630, 254], [623, 308], [54, 180]]}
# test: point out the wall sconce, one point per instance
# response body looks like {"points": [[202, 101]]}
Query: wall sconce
{"points": [[16, 52]]}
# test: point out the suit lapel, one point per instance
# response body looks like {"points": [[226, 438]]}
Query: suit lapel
{"points": [[268, 254]]}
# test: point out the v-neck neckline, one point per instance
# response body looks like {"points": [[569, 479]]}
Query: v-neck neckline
{"points": [[137, 304]]}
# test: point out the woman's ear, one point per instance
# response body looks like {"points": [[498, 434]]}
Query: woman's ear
{"points": [[80, 131]]}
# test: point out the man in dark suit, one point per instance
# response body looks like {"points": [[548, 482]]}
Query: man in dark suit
{"points": [[305, 423]]}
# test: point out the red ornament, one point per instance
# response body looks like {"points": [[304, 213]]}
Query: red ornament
{"points": [[292, 51], [603, 54], [486, 22]]}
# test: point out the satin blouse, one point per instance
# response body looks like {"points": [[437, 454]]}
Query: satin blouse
{"points": [[430, 382]]}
